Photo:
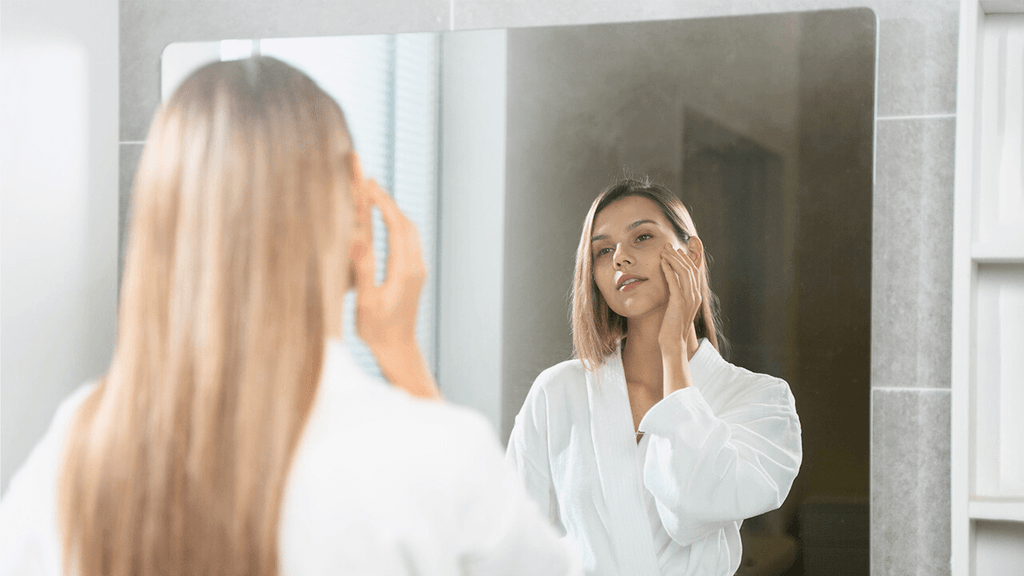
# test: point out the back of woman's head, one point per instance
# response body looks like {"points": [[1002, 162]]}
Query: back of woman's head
{"points": [[240, 208], [596, 328]]}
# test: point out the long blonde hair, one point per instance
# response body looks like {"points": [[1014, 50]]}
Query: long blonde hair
{"points": [[177, 462], [596, 328]]}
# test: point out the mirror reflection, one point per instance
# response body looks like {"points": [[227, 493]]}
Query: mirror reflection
{"points": [[761, 125]]}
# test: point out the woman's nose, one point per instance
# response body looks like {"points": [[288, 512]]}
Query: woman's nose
{"points": [[622, 257]]}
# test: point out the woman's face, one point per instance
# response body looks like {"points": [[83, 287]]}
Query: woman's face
{"points": [[626, 245]]}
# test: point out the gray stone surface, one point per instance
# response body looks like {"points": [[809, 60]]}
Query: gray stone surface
{"points": [[912, 260], [917, 56], [910, 483]]}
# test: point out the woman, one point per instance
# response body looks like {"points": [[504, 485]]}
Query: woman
{"points": [[233, 432], [648, 450]]}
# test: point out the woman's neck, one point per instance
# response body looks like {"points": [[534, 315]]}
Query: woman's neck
{"points": [[641, 353]]}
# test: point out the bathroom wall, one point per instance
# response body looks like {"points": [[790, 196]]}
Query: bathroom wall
{"points": [[59, 179], [911, 223]]}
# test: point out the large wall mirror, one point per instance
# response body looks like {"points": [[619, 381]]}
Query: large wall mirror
{"points": [[496, 142]]}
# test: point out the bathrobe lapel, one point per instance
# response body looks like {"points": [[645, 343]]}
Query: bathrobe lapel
{"points": [[615, 448]]}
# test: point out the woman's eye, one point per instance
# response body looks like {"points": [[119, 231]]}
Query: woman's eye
{"points": [[604, 251], [643, 237]]}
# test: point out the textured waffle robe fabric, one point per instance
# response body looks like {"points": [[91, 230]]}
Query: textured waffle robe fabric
{"points": [[381, 483], [725, 449]]}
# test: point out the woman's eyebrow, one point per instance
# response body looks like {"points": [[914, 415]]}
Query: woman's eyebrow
{"points": [[628, 228], [639, 222]]}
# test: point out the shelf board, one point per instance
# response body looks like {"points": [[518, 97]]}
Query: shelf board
{"points": [[997, 252], [1006, 509]]}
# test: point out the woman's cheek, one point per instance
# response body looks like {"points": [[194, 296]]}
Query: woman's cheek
{"points": [[606, 286], [608, 290]]}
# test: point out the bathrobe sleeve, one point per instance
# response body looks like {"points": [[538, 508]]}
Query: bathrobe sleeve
{"points": [[527, 451], [29, 543], [708, 467], [23, 515], [430, 495], [509, 535]]}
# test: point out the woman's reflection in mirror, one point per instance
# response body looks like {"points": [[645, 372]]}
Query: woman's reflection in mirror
{"points": [[233, 432], [648, 449]]}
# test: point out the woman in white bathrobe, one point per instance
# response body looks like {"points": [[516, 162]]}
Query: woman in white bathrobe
{"points": [[649, 449], [233, 433]]}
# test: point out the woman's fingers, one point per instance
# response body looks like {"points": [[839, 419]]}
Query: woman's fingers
{"points": [[404, 252], [388, 310], [670, 277], [683, 264], [694, 269], [362, 248], [677, 263], [686, 273], [693, 274]]}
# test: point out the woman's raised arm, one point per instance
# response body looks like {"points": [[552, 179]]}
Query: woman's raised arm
{"points": [[386, 313]]}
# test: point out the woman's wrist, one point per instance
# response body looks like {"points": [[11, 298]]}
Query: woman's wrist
{"points": [[675, 367], [402, 363], [672, 347]]}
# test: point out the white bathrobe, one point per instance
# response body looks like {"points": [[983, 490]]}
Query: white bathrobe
{"points": [[380, 484], [711, 455]]}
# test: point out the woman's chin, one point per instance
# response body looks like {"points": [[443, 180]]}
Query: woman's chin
{"points": [[638, 310]]}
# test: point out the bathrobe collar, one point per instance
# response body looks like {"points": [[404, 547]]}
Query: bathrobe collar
{"points": [[624, 513], [706, 363], [338, 360], [342, 376]]}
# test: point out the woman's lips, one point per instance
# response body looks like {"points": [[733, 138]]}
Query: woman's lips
{"points": [[630, 284]]}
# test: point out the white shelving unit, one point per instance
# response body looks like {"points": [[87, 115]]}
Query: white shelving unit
{"points": [[987, 445], [1001, 509]]}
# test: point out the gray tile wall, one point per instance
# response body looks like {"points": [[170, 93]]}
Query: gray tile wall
{"points": [[913, 207], [910, 475]]}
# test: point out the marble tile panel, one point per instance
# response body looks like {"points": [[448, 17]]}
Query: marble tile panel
{"points": [[917, 56], [910, 483], [148, 26], [911, 283]]}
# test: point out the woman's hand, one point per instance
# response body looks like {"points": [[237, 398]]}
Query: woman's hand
{"points": [[684, 300], [386, 313]]}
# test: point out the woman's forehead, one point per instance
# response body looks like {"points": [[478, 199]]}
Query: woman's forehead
{"points": [[624, 212]]}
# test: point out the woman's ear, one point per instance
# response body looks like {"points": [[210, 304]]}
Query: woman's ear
{"points": [[695, 248]]}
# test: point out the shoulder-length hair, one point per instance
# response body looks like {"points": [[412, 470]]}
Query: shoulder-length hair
{"points": [[177, 461], [596, 329]]}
